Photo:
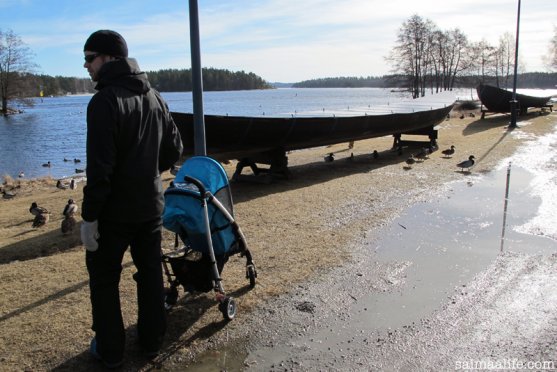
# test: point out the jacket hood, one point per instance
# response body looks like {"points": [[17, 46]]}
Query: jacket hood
{"points": [[125, 73]]}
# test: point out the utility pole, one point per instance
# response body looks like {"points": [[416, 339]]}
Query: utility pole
{"points": [[513, 102], [199, 145]]}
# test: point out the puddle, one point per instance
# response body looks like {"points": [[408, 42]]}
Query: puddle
{"points": [[452, 239]]}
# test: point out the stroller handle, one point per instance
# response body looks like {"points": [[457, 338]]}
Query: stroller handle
{"points": [[197, 184]]}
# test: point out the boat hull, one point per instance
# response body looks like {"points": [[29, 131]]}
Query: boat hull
{"points": [[236, 137], [498, 100]]}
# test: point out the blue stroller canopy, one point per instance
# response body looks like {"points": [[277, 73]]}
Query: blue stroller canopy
{"points": [[184, 212], [206, 170]]}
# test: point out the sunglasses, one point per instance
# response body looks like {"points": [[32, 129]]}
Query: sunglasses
{"points": [[91, 57]]}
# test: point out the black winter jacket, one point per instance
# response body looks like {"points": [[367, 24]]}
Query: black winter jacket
{"points": [[131, 139]]}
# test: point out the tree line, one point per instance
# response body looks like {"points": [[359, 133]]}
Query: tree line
{"points": [[174, 80], [342, 82], [171, 80], [540, 80]]}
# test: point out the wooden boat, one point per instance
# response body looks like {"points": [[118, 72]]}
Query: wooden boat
{"points": [[266, 140], [498, 100]]}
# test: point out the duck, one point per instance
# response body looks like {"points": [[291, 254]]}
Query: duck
{"points": [[73, 184], [70, 209], [329, 158], [42, 215], [36, 210], [8, 194], [77, 170], [68, 225], [47, 164], [466, 163], [375, 154], [65, 160], [61, 185], [410, 161], [422, 155], [21, 174], [448, 152], [41, 220], [77, 160]]}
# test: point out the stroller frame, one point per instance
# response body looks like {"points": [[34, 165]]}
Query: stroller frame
{"points": [[227, 304]]}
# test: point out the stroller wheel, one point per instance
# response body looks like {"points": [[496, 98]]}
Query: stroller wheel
{"points": [[251, 274], [170, 297], [228, 308]]}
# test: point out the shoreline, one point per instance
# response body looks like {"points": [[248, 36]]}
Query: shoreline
{"points": [[297, 229]]}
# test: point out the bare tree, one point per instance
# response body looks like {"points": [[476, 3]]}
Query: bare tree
{"points": [[504, 59], [456, 49], [411, 57], [551, 58], [427, 55], [439, 58], [15, 63], [481, 57]]}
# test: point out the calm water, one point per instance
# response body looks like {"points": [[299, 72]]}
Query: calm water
{"points": [[55, 128]]}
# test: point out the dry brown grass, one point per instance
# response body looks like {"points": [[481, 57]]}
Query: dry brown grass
{"points": [[295, 228]]}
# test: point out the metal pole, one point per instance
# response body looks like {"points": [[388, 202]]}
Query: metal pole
{"points": [[197, 81], [513, 125], [506, 203]]}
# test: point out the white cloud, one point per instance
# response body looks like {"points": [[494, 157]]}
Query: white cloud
{"points": [[281, 40]]}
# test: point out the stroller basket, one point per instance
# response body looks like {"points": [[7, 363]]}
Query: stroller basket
{"points": [[199, 209], [193, 269]]}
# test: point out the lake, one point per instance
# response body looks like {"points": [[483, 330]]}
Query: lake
{"points": [[54, 129]]}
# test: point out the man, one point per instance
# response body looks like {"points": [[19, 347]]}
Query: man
{"points": [[131, 139]]}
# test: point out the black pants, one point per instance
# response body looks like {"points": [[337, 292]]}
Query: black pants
{"points": [[105, 266]]}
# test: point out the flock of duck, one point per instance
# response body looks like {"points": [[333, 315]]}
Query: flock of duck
{"points": [[447, 153], [42, 216], [48, 164], [419, 156]]}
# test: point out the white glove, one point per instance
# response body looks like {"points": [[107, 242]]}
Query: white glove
{"points": [[90, 234]]}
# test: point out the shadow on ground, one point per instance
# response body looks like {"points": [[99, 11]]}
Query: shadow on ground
{"points": [[180, 319], [46, 244], [309, 174]]}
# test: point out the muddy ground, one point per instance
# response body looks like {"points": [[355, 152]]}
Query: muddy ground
{"points": [[305, 232]]}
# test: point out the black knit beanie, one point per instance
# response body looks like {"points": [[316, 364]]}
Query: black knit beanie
{"points": [[107, 42]]}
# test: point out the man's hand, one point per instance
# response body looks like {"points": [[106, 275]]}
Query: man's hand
{"points": [[90, 234]]}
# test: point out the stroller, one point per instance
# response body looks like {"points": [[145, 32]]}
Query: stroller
{"points": [[198, 208]]}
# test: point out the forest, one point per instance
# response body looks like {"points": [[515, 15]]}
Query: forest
{"points": [[539, 80], [172, 80]]}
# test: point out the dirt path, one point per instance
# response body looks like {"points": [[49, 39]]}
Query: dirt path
{"points": [[297, 229]]}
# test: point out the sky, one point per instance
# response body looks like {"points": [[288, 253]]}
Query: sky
{"points": [[279, 40]]}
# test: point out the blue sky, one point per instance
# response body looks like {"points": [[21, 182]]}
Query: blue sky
{"points": [[279, 40]]}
